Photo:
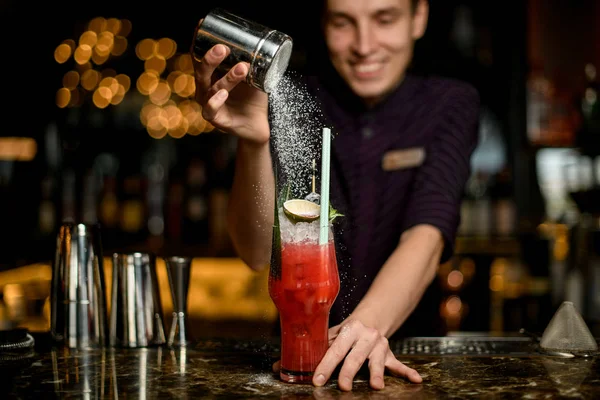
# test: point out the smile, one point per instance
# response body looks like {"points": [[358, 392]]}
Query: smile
{"points": [[367, 70]]}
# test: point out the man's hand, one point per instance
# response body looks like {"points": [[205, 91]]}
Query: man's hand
{"points": [[227, 101], [353, 343]]}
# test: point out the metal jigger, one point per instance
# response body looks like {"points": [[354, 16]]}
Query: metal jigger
{"points": [[178, 271]]}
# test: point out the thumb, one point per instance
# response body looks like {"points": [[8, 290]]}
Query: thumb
{"points": [[276, 366]]}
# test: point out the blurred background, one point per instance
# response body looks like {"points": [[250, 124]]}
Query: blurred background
{"points": [[99, 124]]}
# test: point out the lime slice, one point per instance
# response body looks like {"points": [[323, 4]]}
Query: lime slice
{"points": [[300, 210]]}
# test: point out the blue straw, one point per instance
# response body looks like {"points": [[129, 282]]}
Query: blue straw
{"points": [[325, 163]]}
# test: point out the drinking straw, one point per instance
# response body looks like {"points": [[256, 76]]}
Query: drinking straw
{"points": [[324, 210]]}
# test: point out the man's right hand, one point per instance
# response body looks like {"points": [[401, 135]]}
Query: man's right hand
{"points": [[227, 102]]}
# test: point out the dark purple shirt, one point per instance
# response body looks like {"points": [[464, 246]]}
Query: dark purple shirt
{"points": [[436, 117]]}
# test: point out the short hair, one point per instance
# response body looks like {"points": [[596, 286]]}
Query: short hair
{"points": [[413, 4]]}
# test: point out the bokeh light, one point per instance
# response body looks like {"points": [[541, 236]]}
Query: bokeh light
{"points": [[166, 78]]}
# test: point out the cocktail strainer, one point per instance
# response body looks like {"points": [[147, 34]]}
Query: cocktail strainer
{"points": [[568, 332]]}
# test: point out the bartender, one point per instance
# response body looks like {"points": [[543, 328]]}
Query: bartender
{"points": [[400, 161]]}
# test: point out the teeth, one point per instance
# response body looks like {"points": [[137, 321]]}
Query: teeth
{"points": [[367, 67]]}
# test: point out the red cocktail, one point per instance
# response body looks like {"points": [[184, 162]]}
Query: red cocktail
{"points": [[303, 290]]}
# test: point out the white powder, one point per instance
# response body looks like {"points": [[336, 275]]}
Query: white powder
{"points": [[278, 66], [264, 379], [269, 384], [296, 130]]}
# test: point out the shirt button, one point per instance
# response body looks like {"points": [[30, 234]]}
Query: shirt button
{"points": [[367, 133]]}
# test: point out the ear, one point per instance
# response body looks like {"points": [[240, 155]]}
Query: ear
{"points": [[420, 18]]}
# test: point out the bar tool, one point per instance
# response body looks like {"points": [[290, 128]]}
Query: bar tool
{"points": [[136, 318], [77, 298], [568, 333], [178, 271], [266, 50]]}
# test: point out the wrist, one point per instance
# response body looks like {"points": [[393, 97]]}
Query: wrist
{"points": [[256, 134], [249, 147], [369, 316]]}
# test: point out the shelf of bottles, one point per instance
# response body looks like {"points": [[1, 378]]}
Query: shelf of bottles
{"points": [[170, 199]]}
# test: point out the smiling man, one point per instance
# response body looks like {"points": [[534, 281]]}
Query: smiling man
{"points": [[370, 43], [400, 160]]}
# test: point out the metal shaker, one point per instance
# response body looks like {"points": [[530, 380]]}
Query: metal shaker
{"points": [[78, 302], [136, 318], [266, 50]]}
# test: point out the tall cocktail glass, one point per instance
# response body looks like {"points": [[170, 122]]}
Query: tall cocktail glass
{"points": [[303, 284]]}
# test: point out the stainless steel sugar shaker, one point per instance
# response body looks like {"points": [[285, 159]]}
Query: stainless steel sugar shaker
{"points": [[266, 50]]}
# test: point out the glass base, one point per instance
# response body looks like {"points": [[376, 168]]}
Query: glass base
{"points": [[296, 376]]}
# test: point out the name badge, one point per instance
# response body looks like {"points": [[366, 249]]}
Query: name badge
{"points": [[394, 160]]}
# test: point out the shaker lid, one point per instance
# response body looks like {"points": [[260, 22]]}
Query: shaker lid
{"points": [[271, 60]]}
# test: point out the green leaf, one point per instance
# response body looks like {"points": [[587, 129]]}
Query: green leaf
{"points": [[284, 195], [333, 213], [275, 265]]}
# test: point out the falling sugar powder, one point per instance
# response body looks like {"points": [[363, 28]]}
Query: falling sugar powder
{"points": [[296, 125], [278, 66]]}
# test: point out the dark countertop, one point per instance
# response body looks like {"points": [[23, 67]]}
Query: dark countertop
{"points": [[241, 369]]}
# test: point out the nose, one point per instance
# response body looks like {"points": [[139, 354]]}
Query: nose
{"points": [[365, 39]]}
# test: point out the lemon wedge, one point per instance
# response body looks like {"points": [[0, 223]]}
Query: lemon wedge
{"points": [[300, 210]]}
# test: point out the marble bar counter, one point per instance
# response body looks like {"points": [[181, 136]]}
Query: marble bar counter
{"points": [[241, 369]]}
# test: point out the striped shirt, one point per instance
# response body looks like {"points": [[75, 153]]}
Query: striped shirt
{"points": [[403, 163]]}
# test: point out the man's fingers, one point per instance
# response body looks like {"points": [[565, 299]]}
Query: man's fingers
{"points": [[214, 104], [399, 369], [333, 333], [335, 354], [369, 340], [205, 68], [207, 83], [277, 366], [377, 360]]}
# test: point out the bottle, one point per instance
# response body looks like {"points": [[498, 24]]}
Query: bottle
{"points": [[155, 199], [589, 109], [195, 227], [133, 211], [174, 204], [89, 207], [480, 219], [540, 91], [504, 209], [47, 208], [68, 196], [108, 211]]}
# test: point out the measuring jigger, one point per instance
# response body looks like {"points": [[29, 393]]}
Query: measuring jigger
{"points": [[266, 50], [178, 272]]}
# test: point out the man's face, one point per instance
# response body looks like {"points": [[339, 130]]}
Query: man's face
{"points": [[370, 42]]}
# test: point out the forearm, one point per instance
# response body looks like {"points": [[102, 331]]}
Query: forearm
{"points": [[402, 280], [251, 202]]}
